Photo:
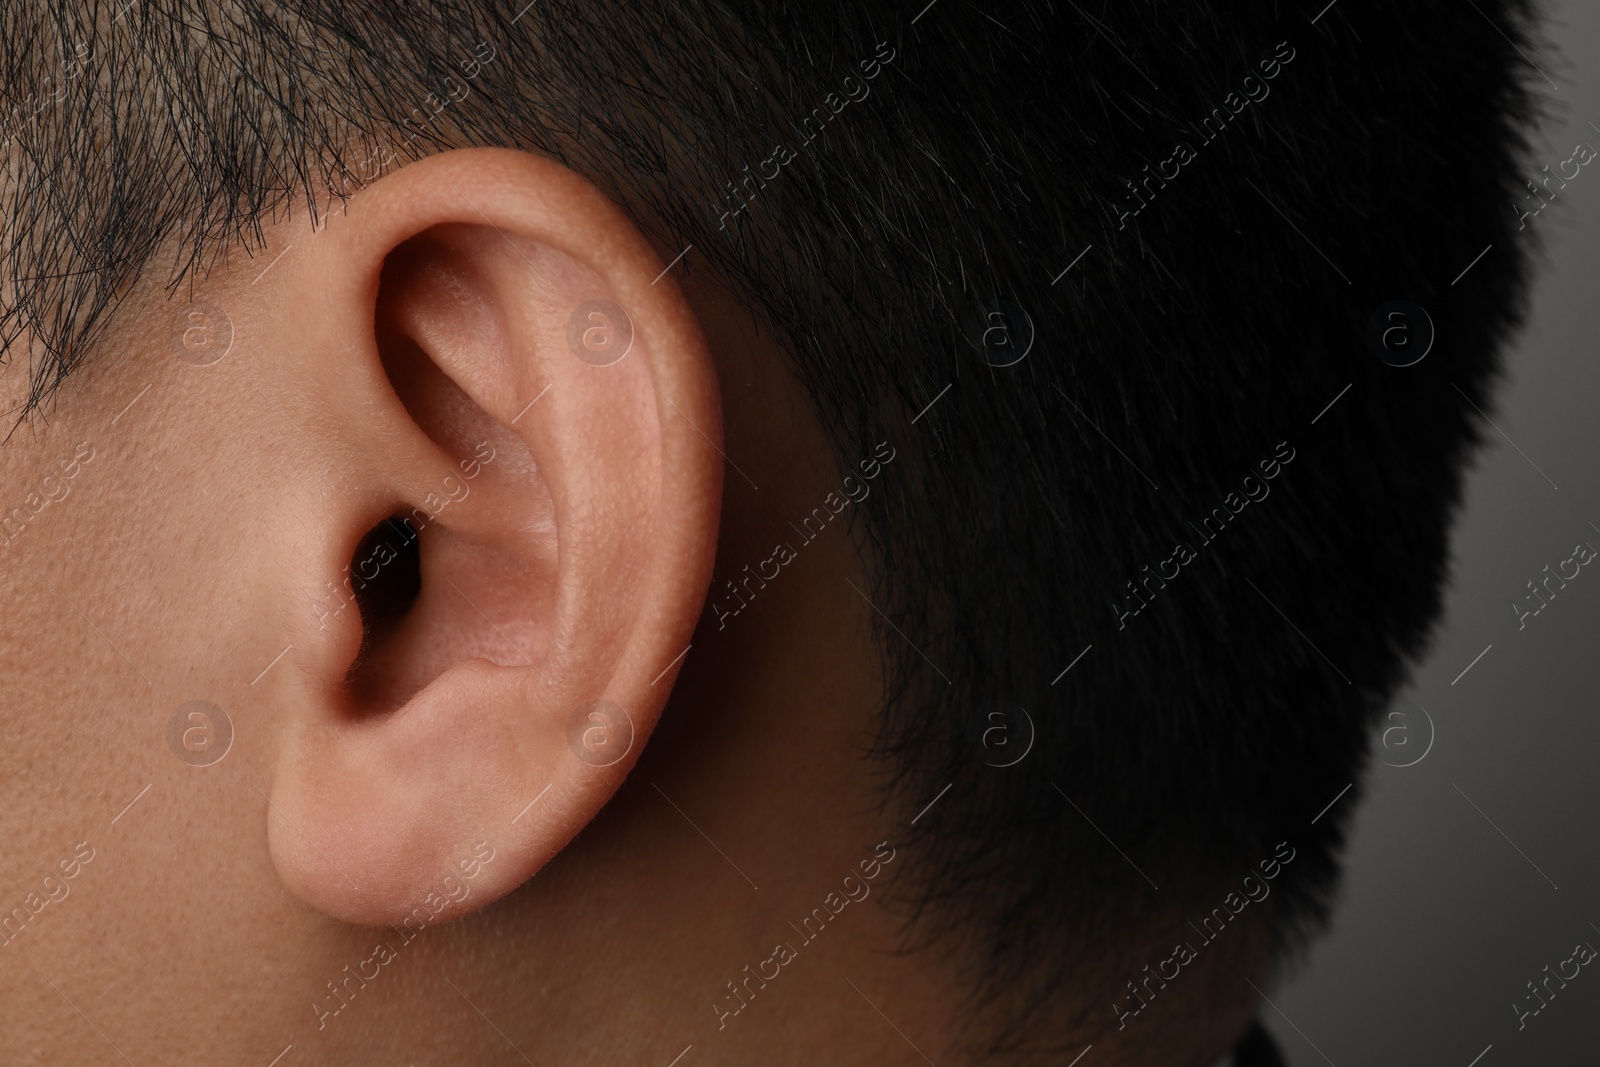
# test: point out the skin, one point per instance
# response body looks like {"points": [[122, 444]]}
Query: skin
{"points": [[364, 367]]}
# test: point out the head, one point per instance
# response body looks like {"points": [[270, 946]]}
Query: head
{"points": [[575, 530]]}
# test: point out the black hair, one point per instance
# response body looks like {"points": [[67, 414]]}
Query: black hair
{"points": [[1091, 269]]}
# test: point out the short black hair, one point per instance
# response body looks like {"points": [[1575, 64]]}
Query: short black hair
{"points": [[1187, 217]]}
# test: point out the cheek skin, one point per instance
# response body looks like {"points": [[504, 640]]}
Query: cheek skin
{"points": [[129, 597]]}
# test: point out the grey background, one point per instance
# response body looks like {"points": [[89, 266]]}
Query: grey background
{"points": [[1444, 918]]}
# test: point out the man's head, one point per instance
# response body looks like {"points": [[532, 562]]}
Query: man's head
{"points": [[575, 531]]}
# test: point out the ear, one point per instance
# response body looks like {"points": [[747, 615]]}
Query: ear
{"points": [[524, 421]]}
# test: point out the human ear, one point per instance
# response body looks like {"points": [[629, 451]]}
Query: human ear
{"points": [[485, 303]]}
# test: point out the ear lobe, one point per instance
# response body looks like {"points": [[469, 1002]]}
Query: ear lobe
{"points": [[537, 406]]}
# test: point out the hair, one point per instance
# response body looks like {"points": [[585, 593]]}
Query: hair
{"points": [[1187, 249]]}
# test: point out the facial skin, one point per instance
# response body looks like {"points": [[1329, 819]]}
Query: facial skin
{"points": [[577, 910]]}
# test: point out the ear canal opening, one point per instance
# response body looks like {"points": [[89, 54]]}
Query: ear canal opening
{"points": [[386, 575]]}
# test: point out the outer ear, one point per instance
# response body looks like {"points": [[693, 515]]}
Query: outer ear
{"points": [[507, 377]]}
